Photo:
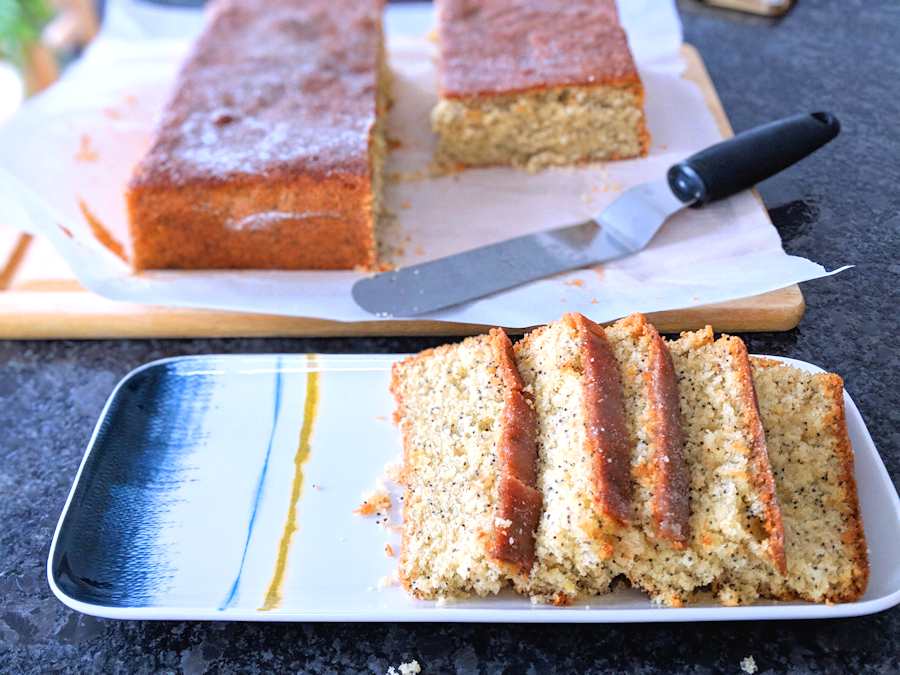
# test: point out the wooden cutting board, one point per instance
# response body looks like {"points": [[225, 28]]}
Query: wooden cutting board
{"points": [[40, 297]]}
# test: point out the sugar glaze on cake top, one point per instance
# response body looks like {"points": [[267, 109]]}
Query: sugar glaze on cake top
{"points": [[502, 46], [235, 110]]}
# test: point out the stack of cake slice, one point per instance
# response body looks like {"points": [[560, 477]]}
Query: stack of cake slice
{"points": [[587, 454]]}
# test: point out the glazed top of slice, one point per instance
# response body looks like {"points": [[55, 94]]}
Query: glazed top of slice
{"points": [[671, 506], [495, 47], [606, 433], [518, 507], [275, 88]]}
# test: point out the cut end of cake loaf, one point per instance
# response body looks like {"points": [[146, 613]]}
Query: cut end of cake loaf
{"points": [[535, 130], [737, 541], [583, 458], [258, 162], [806, 432], [470, 507]]}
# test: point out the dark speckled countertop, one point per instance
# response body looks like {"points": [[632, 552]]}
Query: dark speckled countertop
{"points": [[841, 207]]}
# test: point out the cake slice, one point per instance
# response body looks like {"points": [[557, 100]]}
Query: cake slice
{"points": [[652, 552], [470, 506], [806, 433], [269, 152], [583, 458], [737, 536], [534, 84]]}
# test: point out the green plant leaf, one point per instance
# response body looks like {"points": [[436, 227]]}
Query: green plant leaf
{"points": [[21, 22]]}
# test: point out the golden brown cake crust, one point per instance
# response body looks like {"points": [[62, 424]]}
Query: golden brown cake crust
{"points": [[493, 47], [519, 502], [606, 432], [262, 155], [671, 506]]}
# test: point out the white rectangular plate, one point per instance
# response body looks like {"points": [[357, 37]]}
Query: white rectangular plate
{"points": [[181, 505]]}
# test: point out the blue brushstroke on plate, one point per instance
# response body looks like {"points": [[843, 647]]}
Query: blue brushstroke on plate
{"points": [[107, 551], [232, 593]]}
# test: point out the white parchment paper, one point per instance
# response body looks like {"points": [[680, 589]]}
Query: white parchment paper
{"points": [[74, 146]]}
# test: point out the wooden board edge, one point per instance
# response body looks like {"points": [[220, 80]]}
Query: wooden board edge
{"points": [[82, 316]]}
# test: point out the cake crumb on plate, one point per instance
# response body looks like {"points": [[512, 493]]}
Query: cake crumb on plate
{"points": [[375, 502]]}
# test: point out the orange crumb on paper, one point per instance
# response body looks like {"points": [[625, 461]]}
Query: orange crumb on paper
{"points": [[381, 418], [102, 234], [66, 231], [599, 271], [86, 152], [419, 251], [578, 283], [131, 99], [382, 266], [406, 205], [112, 113], [595, 301], [389, 550], [394, 143]]}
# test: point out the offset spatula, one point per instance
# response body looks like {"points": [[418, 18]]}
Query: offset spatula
{"points": [[625, 227]]}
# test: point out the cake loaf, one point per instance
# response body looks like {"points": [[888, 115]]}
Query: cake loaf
{"points": [[806, 433], [268, 153], [534, 83], [470, 506], [737, 535], [583, 458]]}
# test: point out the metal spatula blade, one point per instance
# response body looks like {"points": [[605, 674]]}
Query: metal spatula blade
{"points": [[625, 227]]}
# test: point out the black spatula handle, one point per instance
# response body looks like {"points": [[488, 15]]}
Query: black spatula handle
{"points": [[750, 157]]}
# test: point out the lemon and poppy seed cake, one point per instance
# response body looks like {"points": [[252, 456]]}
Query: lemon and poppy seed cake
{"points": [[583, 458], [536, 83], [470, 506], [584, 454], [652, 552], [811, 455], [269, 153], [737, 536]]}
